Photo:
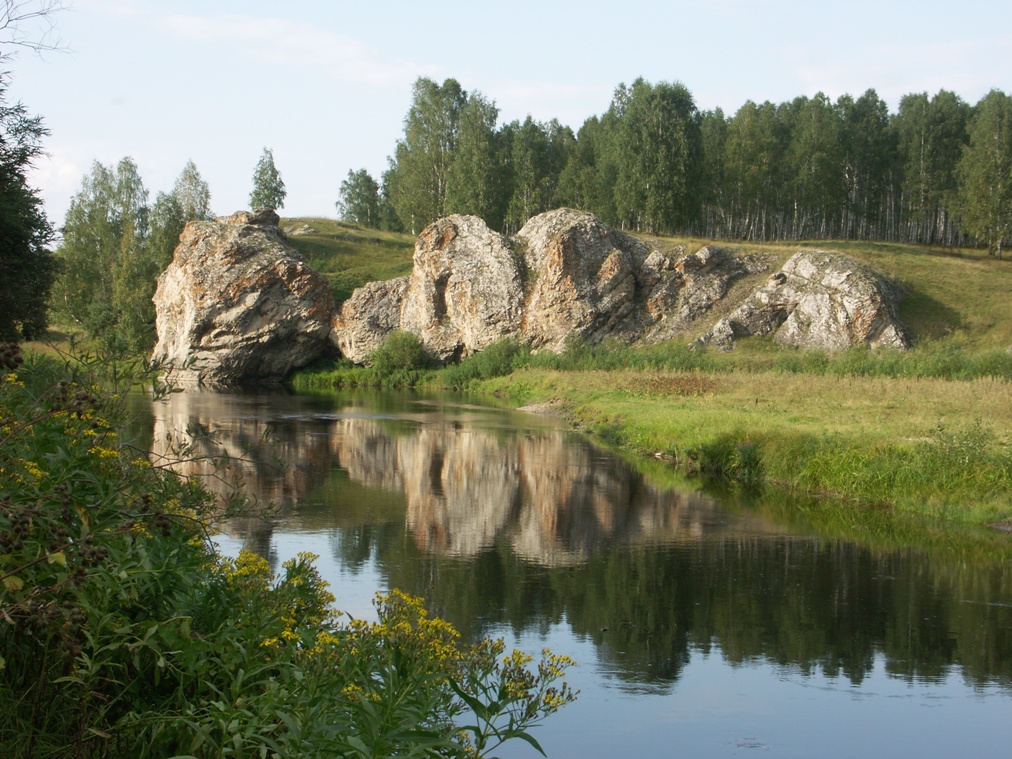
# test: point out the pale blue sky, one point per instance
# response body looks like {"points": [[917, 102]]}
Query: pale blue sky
{"points": [[326, 84]]}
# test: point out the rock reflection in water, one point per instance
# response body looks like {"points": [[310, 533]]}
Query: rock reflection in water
{"points": [[502, 520], [467, 485]]}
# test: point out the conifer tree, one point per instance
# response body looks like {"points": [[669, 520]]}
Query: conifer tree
{"points": [[27, 268]]}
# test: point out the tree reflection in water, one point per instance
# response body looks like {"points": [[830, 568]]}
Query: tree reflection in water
{"points": [[501, 519]]}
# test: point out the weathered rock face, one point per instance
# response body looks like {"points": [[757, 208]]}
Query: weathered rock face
{"points": [[237, 304], [688, 288], [465, 290], [565, 275], [367, 317], [818, 300], [583, 279]]}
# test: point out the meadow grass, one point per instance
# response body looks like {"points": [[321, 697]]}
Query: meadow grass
{"points": [[923, 445], [348, 255]]}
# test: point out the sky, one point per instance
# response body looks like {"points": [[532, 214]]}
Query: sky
{"points": [[325, 84]]}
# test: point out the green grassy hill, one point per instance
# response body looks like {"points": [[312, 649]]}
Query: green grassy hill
{"points": [[349, 255]]}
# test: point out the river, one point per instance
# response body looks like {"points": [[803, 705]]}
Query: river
{"points": [[702, 626]]}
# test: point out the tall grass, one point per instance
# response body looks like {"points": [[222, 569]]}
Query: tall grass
{"points": [[943, 359], [925, 444]]}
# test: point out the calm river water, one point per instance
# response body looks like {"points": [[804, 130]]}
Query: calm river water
{"points": [[701, 628]]}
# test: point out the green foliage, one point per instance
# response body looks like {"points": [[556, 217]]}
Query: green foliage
{"points": [[659, 155], [108, 278], [125, 634], [537, 156], [115, 245], [497, 360], [268, 186], [418, 179], [986, 172], [359, 201], [476, 181], [931, 134], [27, 268], [400, 352], [808, 168]]}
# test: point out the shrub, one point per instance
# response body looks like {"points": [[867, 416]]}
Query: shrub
{"points": [[400, 352], [124, 634], [497, 360]]}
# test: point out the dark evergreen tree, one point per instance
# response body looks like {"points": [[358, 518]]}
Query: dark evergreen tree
{"points": [[27, 267]]}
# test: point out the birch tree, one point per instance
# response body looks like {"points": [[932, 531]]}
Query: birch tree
{"points": [[985, 169]]}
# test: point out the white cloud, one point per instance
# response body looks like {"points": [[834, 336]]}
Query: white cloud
{"points": [[301, 44]]}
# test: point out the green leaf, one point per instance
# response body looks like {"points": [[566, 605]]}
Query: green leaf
{"points": [[474, 704], [13, 584], [530, 739]]}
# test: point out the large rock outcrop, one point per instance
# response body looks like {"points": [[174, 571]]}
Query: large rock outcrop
{"points": [[820, 300], [565, 275], [583, 279], [238, 304], [371, 313]]}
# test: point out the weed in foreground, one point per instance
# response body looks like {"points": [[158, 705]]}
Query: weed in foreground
{"points": [[123, 633]]}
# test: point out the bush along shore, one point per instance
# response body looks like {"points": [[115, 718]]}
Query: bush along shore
{"points": [[925, 432], [124, 634]]}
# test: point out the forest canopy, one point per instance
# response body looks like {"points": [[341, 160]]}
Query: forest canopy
{"points": [[936, 171]]}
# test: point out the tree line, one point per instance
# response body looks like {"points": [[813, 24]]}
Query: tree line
{"points": [[937, 171]]}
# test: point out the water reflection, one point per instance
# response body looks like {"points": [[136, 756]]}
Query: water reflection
{"points": [[502, 519], [468, 480]]}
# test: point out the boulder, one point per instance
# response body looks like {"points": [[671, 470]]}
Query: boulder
{"points": [[687, 289], [367, 317], [819, 300], [238, 304], [582, 279], [465, 290], [565, 275], [464, 293]]}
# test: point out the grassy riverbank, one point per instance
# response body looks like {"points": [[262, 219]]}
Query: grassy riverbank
{"points": [[926, 446]]}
